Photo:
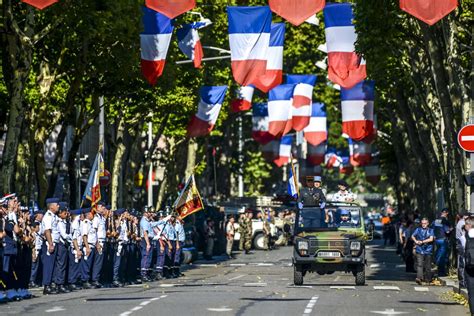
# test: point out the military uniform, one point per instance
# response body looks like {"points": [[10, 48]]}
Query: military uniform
{"points": [[88, 231], [181, 235], [146, 254], [247, 234], [313, 196], [99, 225], [161, 244], [120, 254], [74, 270], [242, 228], [49, 223]]}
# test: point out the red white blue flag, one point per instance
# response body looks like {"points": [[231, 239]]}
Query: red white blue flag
{"points": [[190, 44], [371, 138], [332, 159], [360, 153], [92, 191], [296, 11], [372, 174], [316, 154], [345, 67], [280, 101], [284, 151], [249, 39], [428, 11], [209, 107], [243, 102], [302, 99], [40, 4], [317, 132], [357, 107], [274, 74], [154, 42], [260, 124], [171, 8], [346, 167]]}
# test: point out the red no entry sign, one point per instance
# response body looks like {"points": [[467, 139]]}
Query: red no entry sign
{"points": [[466, 138]]}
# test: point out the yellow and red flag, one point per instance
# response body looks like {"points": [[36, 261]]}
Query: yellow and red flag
{"points": [[92, 192], [189, 200]]}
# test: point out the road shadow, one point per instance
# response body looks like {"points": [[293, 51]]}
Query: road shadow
{"points": [[387, 259], [429, 302]]}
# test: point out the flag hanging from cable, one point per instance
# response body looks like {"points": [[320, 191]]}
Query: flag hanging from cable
{"points": [[189, 200], [293, 190], [190, 43], [92, 192]]}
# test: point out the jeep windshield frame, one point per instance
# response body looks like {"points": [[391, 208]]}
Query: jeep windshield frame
{"points": [[314, 219]]}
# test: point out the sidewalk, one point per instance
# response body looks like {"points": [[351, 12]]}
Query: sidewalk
{"points": [[454, 284]]}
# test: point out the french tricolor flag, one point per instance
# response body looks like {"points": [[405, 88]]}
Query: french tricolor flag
{"points": [[332, 159], [274, 73], [280, 101], [270, 150], [372, 174], [302, 99], [317, 132], [154, 42], [316, 154], [243, 102], [346, 167], [372, 137], [209, 107], [284, 151], [249, 39], [296, 11], [171, 8], [357, 107], [345, 67], [260, 124], [360, 153], [40, 4], [190, 43]]}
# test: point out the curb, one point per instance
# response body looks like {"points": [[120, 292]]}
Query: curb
{"points": [[445, 281]]}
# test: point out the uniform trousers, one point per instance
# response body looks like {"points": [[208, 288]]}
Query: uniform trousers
{"points": [[35, 268], [49, 259], [120, 260], [98, 263], [87, 264], [177, 254], [59, 275], [160, 255], [169, 259], [74, 271], [147, 255]]}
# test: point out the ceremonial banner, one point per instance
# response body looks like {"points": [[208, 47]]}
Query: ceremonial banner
{"points": [[296, 11], [345, 67], [284, 151], [189, 200], [280, 101], [171, 8], [274, 74], [357, 107], [429, 11], [40, 4], [249, 39], [332, 159], [316, 154], [372, 137], [243, 102], [92, 191], [154, 42], [209, 107], [293, 189], [190, 44], [260, 124], [302, 99], [372, 174], [360, 153], [316, 132]]}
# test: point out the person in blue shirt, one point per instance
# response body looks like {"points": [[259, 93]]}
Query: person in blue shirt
{"points": [[423, 237], [146, 246], [442, 229], [181, 237]]}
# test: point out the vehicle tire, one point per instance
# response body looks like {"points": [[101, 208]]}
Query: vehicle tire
{"points": [[298, 275], [258, 241], [321, 272], [360, 277]]}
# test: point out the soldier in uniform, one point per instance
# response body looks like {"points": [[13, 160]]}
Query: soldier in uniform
{"points": [[313, 194], [75, 252], [241, 229], [65, 239], [230, 233], [170, 234], [49, 227], [181, 236], [89, 238], [161, 244], [99, 225], [247, 236], [146, 246], [35, 254], [120, 253], [266, 229]]}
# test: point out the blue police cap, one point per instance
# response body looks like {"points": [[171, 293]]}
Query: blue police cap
{"points": [[76, 212], [120, 211], [344, 212], [101, 203], [63, 206], [86, 210], [52, 200]]}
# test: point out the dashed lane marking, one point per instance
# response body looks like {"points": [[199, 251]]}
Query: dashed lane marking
{"points": [[386, 288], [421, 289], [255, 284], [55, 309], [342, 287], [220, 309], [237, 264], [237, 277], [310, 306], [169, 285], [388, 311], [141, 305], [206, 265]]}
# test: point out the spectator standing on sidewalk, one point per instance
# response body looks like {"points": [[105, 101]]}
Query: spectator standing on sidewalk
{"points": [[423, 238], [442, 229], [230, 233], [467, 242], [210, 235], [460, 247], [408, 247]]}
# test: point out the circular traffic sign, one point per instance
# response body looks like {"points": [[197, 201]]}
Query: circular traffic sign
{"points": [[105, 178], [466, 138]]}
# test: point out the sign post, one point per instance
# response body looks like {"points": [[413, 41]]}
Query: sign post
{"points": [[466, 142]]}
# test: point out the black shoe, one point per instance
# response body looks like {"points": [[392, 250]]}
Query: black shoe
{"points": [[32, 285], [48, 290], [72, 287], [86, 285], [62, 289], [117, 284], [96, 285], [158, 277], [146, 279]]}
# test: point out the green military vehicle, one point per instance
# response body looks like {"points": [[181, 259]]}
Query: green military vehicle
{"points": [[328, 240]]}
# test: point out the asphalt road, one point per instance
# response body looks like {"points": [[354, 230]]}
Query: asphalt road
{"points": [[257, 284]]}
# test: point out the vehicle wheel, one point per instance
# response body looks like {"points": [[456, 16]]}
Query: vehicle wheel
{"points": [[258, 241], [360, 277], [298, 275], [321, 272], [330, 272]]}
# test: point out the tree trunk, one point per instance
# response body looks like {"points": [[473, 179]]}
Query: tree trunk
{"points": [[118, 162]]}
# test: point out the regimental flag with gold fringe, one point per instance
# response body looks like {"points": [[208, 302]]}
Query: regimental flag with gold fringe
{"points": [[92, 192], [189, 200]]}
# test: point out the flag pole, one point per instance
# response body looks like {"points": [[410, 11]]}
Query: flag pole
{"points": [[294, 175]]}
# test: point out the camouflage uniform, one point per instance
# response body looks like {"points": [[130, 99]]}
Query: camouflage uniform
{"points": [[246, 234], [267, 234], [241, 232]]}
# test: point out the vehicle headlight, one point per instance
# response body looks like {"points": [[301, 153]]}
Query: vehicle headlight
{"points": [[355, 245], [302, 245]]}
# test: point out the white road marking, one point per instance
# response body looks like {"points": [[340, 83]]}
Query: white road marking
{"points": [[310, 306], [220, 309], [255, 284], [169, 285], [237, 277], [265, 264], [388, 312], [386, 288], [400, 266], [343, 287], [375, 265], [237, 264], [421, 289], [55, 309], [206, 265], [141, 305], [467, 138], [337, 278]]}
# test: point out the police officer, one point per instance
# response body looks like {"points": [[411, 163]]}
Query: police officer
{"points": [[161, 245], [98, 224], [121, 253], [89, 241], [49, 227], [442, 228], [170, 235], [146, 245], [75, 253], [181, 236], [63, 245]]}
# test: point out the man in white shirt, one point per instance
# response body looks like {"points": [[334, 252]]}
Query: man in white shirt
{"points": [[89, 240], [49, 227], [230, 233], [75, 252], [99, 225], [460, 248], [62, 246]]}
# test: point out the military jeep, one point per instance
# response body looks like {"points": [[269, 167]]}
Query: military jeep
{"points": [[325, 241]]}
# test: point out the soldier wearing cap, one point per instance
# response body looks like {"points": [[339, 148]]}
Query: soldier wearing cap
{"points": [[49, 227], [161, 244], [146, 245], [121, 253], [98, 224], [89, 240], [313, 194], [65, 239], [169, 233], [75, 253], [181, 237]]}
